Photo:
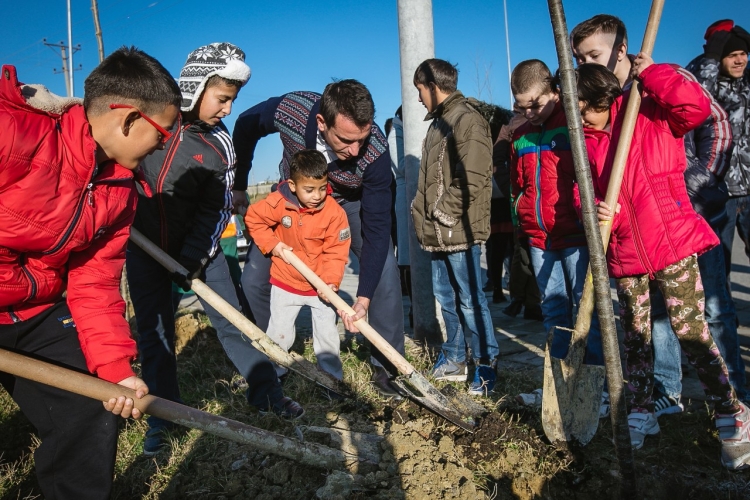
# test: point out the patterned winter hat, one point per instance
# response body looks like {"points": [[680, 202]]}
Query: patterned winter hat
{"points": [[223, 59]]}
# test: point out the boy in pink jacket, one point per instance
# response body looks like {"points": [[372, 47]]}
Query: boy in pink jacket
{"points": [[656, 236]]}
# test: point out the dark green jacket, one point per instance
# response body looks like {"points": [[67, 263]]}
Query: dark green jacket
{"points": [[451, 210]]}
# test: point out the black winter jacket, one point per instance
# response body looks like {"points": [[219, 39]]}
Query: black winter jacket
{"points": [[191, 180]]}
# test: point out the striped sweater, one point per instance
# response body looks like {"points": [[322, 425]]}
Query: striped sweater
{"points": [[191, 180], [366, 178]]}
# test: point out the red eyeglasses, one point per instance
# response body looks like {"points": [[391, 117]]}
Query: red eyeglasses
{"points": [[165, 134]]}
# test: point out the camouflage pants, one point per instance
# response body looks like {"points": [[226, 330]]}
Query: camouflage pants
{"points": [[681, 285]]}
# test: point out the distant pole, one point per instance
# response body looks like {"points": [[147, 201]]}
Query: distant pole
{"points": [[65, 70], [416, 43], [98, 29], [507, 49], [72, 90]]}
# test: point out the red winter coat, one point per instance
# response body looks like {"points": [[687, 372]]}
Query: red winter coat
{"points": [[657, 225], [63, 226], [543, 184]]}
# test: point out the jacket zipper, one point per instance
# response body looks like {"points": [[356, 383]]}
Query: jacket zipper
{"points": [[13, 316], [31, 279], [538, 195], [162, 178], [85, 197]]}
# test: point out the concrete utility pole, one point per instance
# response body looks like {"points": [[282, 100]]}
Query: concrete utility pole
{"points": [[416, 43], [67, 63]]}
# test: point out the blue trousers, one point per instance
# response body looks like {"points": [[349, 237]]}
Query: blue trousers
{"points": [[457, 284]]}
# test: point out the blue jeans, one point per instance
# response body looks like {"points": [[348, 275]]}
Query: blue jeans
{"points": [[560, 275], [738, 211], [666, 349], [155, 307], [457, 285]]}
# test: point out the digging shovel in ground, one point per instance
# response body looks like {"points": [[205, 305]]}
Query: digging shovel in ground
{"points": [[412, 383], [290, 360], [572, 389], [348, 457]]}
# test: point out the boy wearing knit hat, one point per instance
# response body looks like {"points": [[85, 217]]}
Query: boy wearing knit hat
{"points": [[722, 70], [192, 180]]}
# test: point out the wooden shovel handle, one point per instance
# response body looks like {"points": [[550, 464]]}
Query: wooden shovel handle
{"points": [[586, 305], [368, 331]]}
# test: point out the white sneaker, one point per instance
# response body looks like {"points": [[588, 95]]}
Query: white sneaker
{"points": [[642, 425], [533, 399], [734, 434], [604, 406]]}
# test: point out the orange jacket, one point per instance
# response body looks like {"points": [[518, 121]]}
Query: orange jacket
{"points": [[320, 237]]}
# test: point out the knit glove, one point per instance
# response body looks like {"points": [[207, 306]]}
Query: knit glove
{"points": [[715, 45]]}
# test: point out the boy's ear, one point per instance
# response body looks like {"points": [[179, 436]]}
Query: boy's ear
{"points": [[292, 185], [127, 120], [622, 51]]}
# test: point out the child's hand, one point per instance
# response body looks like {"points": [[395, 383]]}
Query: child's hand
{"points": [[278, 251], [323, 297], [604, 213], [641, 62]]}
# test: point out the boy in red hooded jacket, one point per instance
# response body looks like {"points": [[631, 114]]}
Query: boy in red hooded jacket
{"points": [[68, 199], [656, 236]]}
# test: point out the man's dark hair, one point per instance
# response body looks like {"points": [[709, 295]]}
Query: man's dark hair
{"points": [[597, 86], [530, 74], [131, 76], [348, 98], [601, 23], [442, 73], [308, 163]]}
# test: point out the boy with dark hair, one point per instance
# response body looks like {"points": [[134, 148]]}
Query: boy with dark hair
{"points": [[451, 214], [603, 40], [339, 124], [544, 196], [76, 162], [299, 217], [192, 179]]}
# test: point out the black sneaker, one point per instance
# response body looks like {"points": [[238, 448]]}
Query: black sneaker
{"points": [[665, 405], [284, 408]]}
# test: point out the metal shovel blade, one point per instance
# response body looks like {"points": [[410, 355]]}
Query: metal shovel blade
{"points": [[419, 390], [571, 396]]}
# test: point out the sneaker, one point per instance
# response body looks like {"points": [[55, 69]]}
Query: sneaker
{"points": [[642, 425], [484, 380], [604, 405], [534, 398], [666, 405], [157, 438], [284, 408], [452, 371], [734, 434]]}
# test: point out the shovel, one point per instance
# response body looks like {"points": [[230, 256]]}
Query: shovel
{"points": [[572, 390], [348, 457], [290, 360], [413, 383]]}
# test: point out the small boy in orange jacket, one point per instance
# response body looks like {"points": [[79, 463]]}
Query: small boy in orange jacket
{"points": [[299, 217]]}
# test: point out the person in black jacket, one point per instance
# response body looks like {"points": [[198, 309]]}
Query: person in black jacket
{"points": [[191, 179]]}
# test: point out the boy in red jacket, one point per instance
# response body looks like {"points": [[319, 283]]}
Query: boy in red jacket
{"points": [[656, 235], [69, 196], [298, 217]]}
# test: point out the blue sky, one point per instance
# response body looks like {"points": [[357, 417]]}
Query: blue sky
{"points": [[297, 45]]}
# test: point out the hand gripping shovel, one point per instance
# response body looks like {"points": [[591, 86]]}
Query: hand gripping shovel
{"points": [[290, 360], [572, 389], [349, 456], [413, 383]]}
